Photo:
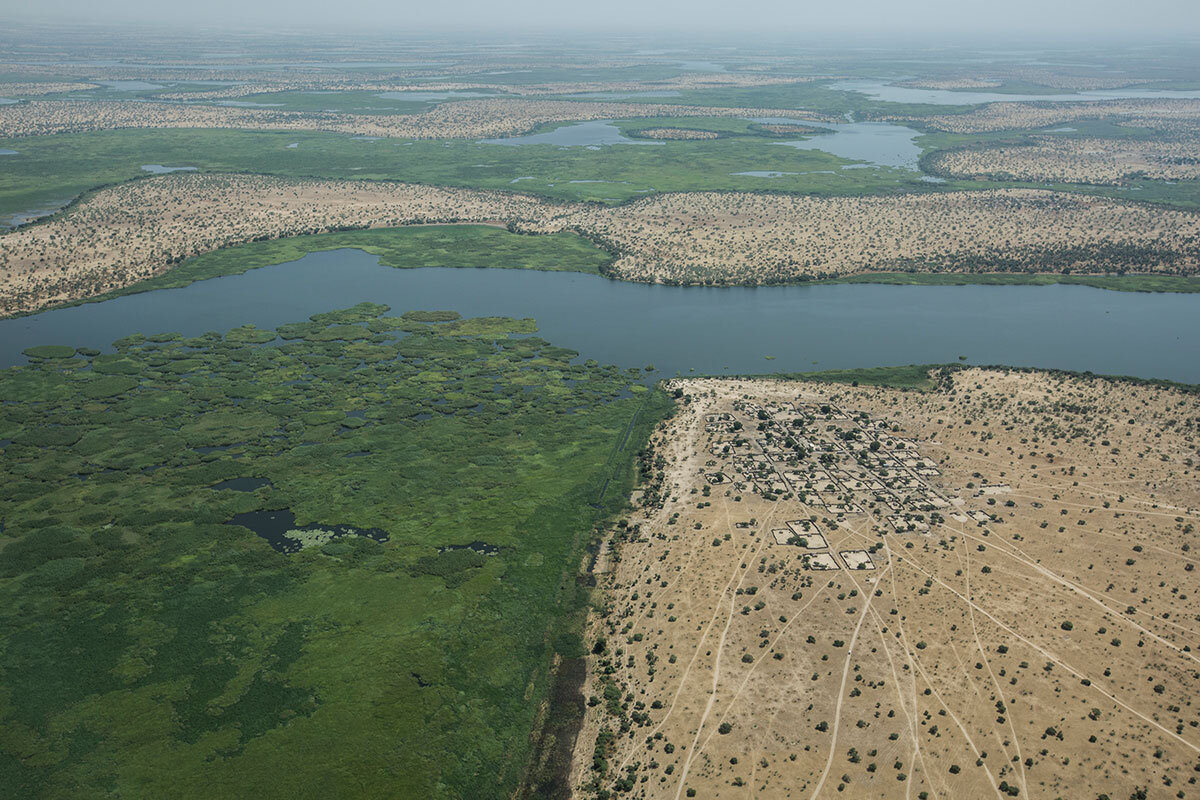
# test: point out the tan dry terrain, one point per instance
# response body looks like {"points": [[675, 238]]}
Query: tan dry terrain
{"points": [[134, 231], [36, 89], [679, 134], [1169, 116], [462, 119], [337, 83], [705, 237], [1056, 159], [125, 234], [1024, 621]]}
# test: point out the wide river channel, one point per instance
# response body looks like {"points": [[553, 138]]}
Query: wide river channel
{"points": [[680, 330]]}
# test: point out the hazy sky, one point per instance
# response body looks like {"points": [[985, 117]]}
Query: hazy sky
{"points": [[1063, 17]]}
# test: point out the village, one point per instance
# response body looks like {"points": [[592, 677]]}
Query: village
{"points": [[833, 466], [826, 588]]}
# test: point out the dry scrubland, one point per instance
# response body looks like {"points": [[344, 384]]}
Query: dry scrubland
{"points": [[1098, 161], [125, 234], [1025, 621], [1168, 116], [131, 232], [335, 83], [35, 89], [678, 134], [751, 238], [458, 120]]}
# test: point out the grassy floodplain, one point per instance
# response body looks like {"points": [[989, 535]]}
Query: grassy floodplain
{"points": [[55, 169], [154, 650], [406, 248], [50, 171]]}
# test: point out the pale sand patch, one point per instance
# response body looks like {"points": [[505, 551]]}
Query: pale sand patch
{"points": [[952, 662], [127, 233]]}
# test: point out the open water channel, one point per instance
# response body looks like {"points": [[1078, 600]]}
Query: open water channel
{"points": [[678, 330]]}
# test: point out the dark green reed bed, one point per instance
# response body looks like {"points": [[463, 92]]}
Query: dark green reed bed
{"points": [[154, 647]]}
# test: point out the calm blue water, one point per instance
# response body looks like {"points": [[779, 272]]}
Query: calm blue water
{"points": [[879, 90], [130, 86], [679, 329], [159, 169], [421, 95], [879, 143]]}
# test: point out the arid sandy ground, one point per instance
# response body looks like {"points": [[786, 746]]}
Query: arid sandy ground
{"points": [[136, 230], [1169, 116], [130, 232], [750, 238], [677, 134], [1060, 77], [36, 89], [1098, 161], [458, 120], [333, 83], [1025, 622]]}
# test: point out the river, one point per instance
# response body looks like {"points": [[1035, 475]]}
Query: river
{"points": [[708, 330]]}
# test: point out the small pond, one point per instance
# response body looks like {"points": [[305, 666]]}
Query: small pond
{"points": [[159, 169], [280, 530], [881, 143], [242, 484]]}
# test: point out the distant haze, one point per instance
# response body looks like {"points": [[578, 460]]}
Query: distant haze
{"points": [[1043, 18]]}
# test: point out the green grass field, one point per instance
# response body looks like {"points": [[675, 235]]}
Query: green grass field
{"points": [[153, 650]]}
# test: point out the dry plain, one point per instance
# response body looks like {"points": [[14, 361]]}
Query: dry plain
{"points": [[1084, 160], [1023, 623]]}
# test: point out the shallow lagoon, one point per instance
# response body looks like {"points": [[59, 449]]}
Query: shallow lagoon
{"points": [[159, 169], [879, 143], [880, 90], [709, 330]]}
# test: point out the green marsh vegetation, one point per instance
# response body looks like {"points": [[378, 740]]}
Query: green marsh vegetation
{"points": [[55, 169], [416, 246], [154, 650]]}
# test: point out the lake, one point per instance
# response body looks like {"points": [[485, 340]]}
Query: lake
{"points": [[709, 330], [881, 143], [880, 90]]}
